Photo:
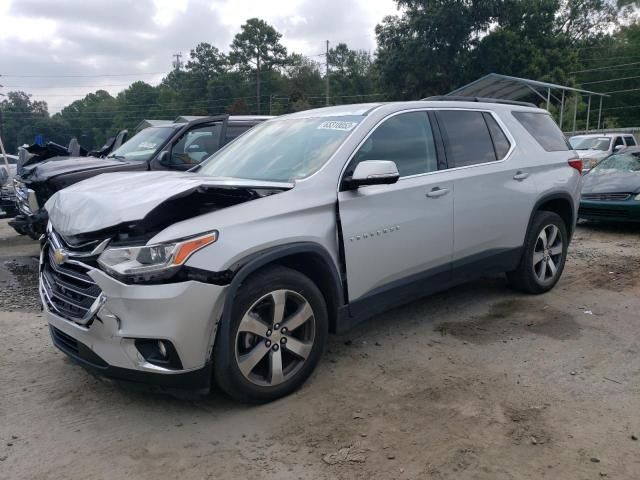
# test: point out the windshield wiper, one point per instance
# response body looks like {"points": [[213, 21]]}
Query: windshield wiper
{"points": [[122, 158]]}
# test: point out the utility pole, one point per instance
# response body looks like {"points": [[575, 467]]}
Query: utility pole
{"points": [[327, 72], [4, 154], [177, 63]]}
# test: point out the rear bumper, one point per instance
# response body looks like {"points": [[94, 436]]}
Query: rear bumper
{"points": [[618, 211]]}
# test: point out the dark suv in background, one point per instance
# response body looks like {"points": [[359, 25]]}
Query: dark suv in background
{"points": [[173, 146]]}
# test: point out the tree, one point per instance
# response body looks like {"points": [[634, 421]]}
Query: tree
{"points": [[207, 61], [422, 52], [257, 47], [351, 72], [18, 114]]}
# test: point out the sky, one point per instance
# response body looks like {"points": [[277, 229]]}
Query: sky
{"points": [[61, 50]]}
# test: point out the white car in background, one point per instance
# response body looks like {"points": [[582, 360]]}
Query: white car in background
{"points": [[7, 192], [594, 147]]}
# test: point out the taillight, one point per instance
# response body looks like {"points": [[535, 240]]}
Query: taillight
{"points": [[577, 164]]}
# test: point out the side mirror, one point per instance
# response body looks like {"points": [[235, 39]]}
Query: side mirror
{"points": [[372, 172], [617, 148], [163, 158]]}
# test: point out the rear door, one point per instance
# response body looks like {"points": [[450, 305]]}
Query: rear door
{"points": [[401, 234], [493, 192]]}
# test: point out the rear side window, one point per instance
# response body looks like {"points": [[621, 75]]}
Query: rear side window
{"points": [[466, 138], [631, 142], [542, 127], [500, 141]]}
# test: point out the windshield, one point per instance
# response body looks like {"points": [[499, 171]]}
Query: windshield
{"points": [[281, 150], [143, 145], [591, 143], [623, 162]]}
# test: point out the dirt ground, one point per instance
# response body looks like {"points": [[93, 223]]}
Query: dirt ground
{"points": [[478, 382]]}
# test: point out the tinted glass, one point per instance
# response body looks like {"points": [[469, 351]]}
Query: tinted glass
{"points": [[234, 131], [467, 139], [500, 141], [282, 149], [631, 142], [143, 145], [405, 139], [542, 127], [196, 145], [618, 142]]}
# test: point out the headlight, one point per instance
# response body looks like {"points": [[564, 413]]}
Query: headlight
{"points": [[152, 261], [637, 197]]}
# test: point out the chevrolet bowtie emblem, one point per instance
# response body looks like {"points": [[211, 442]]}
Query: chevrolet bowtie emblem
{"points": [[59, 256]]}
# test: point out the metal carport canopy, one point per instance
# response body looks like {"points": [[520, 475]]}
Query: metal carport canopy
{"points": [[506, 87]]}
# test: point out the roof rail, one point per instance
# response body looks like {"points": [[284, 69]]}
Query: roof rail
{"points": [[459, 98]]}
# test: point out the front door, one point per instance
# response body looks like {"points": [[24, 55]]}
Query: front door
{"points": [[400, 234]]}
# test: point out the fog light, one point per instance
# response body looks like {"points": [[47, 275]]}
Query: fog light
{"points": [[162, 349]]}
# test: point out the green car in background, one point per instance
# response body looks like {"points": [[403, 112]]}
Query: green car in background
{"points": [[611, 190]]}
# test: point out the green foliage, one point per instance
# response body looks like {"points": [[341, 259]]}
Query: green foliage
{"points": [[431, 47]]}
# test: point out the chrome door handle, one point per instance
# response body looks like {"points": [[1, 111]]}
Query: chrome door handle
{"points": [[437, 192], [520, 176]]}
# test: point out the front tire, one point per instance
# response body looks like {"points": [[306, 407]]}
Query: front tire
{"points": [[544, 254], [275, 338]]}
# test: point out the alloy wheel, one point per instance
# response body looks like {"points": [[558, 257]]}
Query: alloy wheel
{"points": [[547, 253], [275, 337]]}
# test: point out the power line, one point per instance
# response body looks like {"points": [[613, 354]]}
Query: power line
{"points": [[623, 91], [611, 67], [85, 76], [611, 80]]}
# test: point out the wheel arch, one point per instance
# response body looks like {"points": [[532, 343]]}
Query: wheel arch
{"points": [[308, 258], [560, 203]]}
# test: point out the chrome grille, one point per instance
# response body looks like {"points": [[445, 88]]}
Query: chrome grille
{"points": [[66, 288], [606, 196]]}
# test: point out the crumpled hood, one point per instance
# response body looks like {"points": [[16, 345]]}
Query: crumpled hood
{"points": [[112, 199], [611, 181], [55, 166]]}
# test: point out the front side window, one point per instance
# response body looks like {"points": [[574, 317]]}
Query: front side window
{"points": [[466, 137], [406, 139], [544, 130], [196, 145], [283, 149], [142, 146], [618, 143]]}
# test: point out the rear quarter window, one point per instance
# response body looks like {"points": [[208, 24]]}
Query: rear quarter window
{"points": [[545, 131]]}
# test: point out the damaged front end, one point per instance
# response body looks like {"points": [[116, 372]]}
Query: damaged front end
{"points": [[127, 218]]}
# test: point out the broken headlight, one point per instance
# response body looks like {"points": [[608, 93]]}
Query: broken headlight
{"points": [[152, 261]]}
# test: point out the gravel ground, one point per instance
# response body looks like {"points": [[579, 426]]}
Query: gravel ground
{"points": [[478, 382]]}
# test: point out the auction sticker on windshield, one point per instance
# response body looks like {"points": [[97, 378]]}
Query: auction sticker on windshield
{"points": [[337, 125]]}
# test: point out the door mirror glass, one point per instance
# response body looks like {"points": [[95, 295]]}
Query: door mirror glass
{"points": [[373, 172], [163, 158]]}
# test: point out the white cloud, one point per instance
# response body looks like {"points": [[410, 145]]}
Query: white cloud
{"points": [[96, 37]]}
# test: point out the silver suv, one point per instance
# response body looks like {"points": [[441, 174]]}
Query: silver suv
{"points": [[306, 224]]}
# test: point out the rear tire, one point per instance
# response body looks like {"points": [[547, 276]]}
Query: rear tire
{"points": [[543, 256], [275, 338]]}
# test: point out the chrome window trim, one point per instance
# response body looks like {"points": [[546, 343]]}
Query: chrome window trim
{"points": [[499, 121]]}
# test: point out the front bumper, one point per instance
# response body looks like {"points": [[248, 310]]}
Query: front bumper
{"points": [[184, 314], [617, 211]]}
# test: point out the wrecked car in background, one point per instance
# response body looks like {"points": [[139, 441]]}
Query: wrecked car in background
{"points": [[611, 190], [7, 193], [173, 146]]}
